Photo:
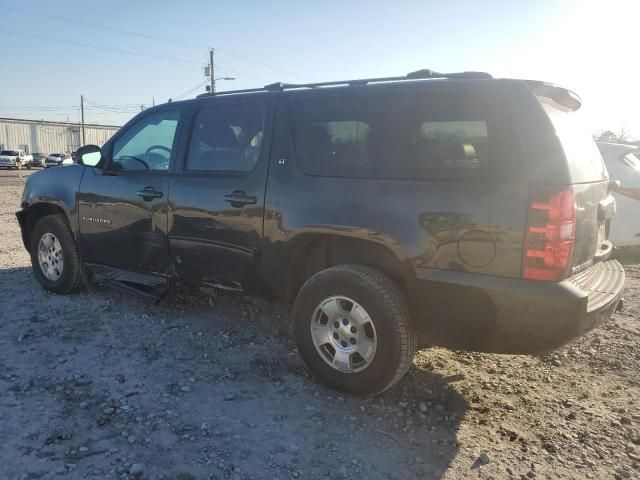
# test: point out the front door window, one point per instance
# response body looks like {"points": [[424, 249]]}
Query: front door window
{"points": [[148, 145]]}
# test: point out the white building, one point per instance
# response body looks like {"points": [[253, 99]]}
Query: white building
{"points": [[36, 136]]}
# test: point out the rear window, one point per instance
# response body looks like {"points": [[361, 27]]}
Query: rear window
{"points": [[583, 157], [444, 135]]}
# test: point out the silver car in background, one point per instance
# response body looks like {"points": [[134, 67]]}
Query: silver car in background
{"points": [[58, 159]]}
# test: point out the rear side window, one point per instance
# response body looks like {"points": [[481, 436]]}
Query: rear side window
{"points": [[583, 157], [227, 138], [445, 135]]}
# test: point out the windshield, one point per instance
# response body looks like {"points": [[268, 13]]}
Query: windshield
{"points": [[9, 152], [57, 155]]}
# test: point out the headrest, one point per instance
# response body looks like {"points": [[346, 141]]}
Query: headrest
{"points": [[218, 135], [461, 152]]}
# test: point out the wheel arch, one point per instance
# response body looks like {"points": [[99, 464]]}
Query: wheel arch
{"points": [[313, 252], [35, 212]]}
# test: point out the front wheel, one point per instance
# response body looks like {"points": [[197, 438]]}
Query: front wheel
{"points": [[353, 330], [55, 260]]}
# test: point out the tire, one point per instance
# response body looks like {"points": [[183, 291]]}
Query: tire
{"points": [[73, 274], [355, 287], [29, 167]]}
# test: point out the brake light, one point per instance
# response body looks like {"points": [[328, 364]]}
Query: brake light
{"points": [[550, 233]]}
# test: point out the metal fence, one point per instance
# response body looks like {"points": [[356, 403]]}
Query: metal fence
{"points": [[35, 136]]}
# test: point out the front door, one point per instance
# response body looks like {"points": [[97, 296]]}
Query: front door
{"points": [[217, 195], [122, 208]]}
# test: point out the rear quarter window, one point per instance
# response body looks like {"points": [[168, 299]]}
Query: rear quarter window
{"points": [[584, 160], [441, 135]]}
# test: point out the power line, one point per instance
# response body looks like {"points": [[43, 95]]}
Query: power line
{"points": [[241, 73], [29, 108], [129, 52], [69, 106], [94, 25], [19, 107], [263, 64], [154, 37], [111, 109], [191, 90], [22, 114], [109, 49]]}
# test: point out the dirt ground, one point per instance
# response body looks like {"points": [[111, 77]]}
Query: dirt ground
{"points": [[105, 385]]}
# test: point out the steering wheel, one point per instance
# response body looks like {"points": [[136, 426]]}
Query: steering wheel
{"points": [[139, 160], [156, 147]]}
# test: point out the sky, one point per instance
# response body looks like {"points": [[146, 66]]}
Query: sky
{"points": [[590, 47]]}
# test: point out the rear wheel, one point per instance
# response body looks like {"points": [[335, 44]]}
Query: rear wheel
{"points": [[352, 328], [55, 260]]}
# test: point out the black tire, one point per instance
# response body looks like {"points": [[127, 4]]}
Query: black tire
{"points": [[29, 167], [74, 273], [387, 307]]}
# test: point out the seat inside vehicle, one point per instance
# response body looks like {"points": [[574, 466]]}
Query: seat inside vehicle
{"points": [[218, 146]]}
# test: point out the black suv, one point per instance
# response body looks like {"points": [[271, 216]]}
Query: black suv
{"points": [[457, 209]]}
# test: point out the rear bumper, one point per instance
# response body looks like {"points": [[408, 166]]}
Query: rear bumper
{"points": [[506, 315]]}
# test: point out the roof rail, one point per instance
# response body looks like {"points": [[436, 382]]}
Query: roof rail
{"points": [[417, 75], [227, 92]]}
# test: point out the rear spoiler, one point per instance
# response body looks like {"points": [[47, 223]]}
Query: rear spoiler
{"points": [[560, 95]]}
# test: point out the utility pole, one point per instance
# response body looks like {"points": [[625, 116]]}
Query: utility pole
{"points": [[213, 80], [82, 114]]}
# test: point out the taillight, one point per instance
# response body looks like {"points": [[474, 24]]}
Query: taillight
{"points": [[550, 234]]}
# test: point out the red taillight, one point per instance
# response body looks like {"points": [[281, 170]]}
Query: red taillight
{"points": [[550, 234]]}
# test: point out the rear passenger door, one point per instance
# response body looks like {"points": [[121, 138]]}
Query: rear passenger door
{"points": [[217, 194]]}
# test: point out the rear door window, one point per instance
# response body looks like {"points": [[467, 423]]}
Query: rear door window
{"points": [[227, 138], [445, 135]]}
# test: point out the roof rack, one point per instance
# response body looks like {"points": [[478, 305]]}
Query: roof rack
{"points": [[417, 75]]}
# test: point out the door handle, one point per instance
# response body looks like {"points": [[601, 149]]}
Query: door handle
{"points": [[149, 193], [239, 199]]}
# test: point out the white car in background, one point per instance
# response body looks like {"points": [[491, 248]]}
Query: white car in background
{"points": [[15, 159], [58, 159], [623, 164]]}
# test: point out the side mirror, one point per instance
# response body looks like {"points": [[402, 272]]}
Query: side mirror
{"points": [[89, 155]]}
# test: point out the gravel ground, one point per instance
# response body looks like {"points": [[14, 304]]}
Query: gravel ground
{"points": [[105, 385]]}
